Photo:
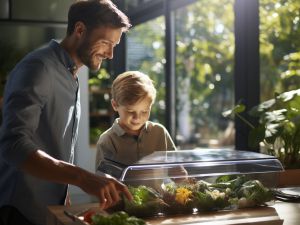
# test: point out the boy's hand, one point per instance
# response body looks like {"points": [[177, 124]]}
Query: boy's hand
{"points": [[178, 174]]}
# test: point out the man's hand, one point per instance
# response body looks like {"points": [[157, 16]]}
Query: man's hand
{"points": [[106, 188]]}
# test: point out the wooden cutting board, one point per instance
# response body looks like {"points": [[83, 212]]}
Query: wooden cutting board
{"points": [[257, 216]]}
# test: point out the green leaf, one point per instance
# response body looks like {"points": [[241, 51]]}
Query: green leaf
{"points": [[227, 113], [272, 130], [262, 107], [237, 109], [289, 95], [225, 178], [276, 116], [289, 128]]}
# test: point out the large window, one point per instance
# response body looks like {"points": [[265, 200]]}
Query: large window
{"points": [[146, 53], [204, 73], [204, 70], [279, 46], [226, 51]]}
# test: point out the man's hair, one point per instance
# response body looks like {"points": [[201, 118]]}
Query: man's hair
{"points": [[96, 13], [132, 86]]}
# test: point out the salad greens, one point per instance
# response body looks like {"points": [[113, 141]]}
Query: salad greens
{"points": [[254, 193], [117, 218], [146, 202], [143, 194], [226, 192]]}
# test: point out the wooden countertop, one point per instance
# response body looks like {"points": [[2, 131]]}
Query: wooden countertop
{"points": [[277, 214], [280, 213], [289, 212]]}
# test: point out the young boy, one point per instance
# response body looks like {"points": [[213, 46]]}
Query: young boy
{"points": [[132, 136]]}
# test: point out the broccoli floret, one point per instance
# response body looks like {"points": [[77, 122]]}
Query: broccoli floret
{"points": [[255, 193]]}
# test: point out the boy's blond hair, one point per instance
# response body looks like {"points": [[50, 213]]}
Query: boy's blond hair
{"points": [[132, 86]]}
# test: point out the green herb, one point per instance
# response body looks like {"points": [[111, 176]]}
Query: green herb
{"points": [[146, 202], [118, 218]]}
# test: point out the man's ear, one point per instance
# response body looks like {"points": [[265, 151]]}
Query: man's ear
{"points": [[79, 29], [114, 104]]}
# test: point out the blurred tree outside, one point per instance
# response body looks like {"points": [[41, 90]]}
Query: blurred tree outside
{"points": [[204, 70], [146, 53], [279, 46], [205, 60], [204, 64]]}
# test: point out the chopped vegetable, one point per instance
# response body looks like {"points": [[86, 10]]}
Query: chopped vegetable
{"points": [[118, 218], [146, 202], [254, 193], [227, 192], [87, 217]]}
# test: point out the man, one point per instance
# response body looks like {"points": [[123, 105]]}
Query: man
{"points": [[41, 114]]}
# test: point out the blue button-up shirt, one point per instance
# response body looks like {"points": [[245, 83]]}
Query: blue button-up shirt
{"points": [[41, 110]]}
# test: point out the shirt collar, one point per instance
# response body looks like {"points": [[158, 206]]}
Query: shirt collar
{"points": [[120, 131], [63, 56]]}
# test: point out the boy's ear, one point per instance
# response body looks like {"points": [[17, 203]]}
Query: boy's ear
{"points": [[114, 104]]}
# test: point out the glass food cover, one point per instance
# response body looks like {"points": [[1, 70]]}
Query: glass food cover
{"points": [[198, 164], [168, 182]]}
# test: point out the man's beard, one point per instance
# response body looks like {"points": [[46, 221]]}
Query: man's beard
{"points": [[85, 57]]}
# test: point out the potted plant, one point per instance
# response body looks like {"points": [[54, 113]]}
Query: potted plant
{"points": [[277, 132], [278, 129]]}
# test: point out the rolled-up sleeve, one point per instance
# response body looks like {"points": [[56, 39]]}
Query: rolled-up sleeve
{"points": [[26, 94]]}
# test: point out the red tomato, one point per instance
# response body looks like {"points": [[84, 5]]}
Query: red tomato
{"points": [[87, 217]]}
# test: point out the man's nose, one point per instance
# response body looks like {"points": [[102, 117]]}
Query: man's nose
{"points": [[110, 53]]}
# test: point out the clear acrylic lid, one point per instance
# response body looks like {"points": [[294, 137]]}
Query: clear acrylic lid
{"points": [[193, 164]]}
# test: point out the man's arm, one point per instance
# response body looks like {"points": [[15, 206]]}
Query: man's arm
{"points": [[106, 189]]}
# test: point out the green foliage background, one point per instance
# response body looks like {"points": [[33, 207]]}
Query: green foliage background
{"points": [[279, 46], [205, 56]]}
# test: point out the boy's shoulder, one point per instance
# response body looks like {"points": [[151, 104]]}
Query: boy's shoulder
{"points": [[106, 133], [154, 125], [115, 129]]}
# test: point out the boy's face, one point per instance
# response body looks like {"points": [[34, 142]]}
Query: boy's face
{"points": [[133, 117]]}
